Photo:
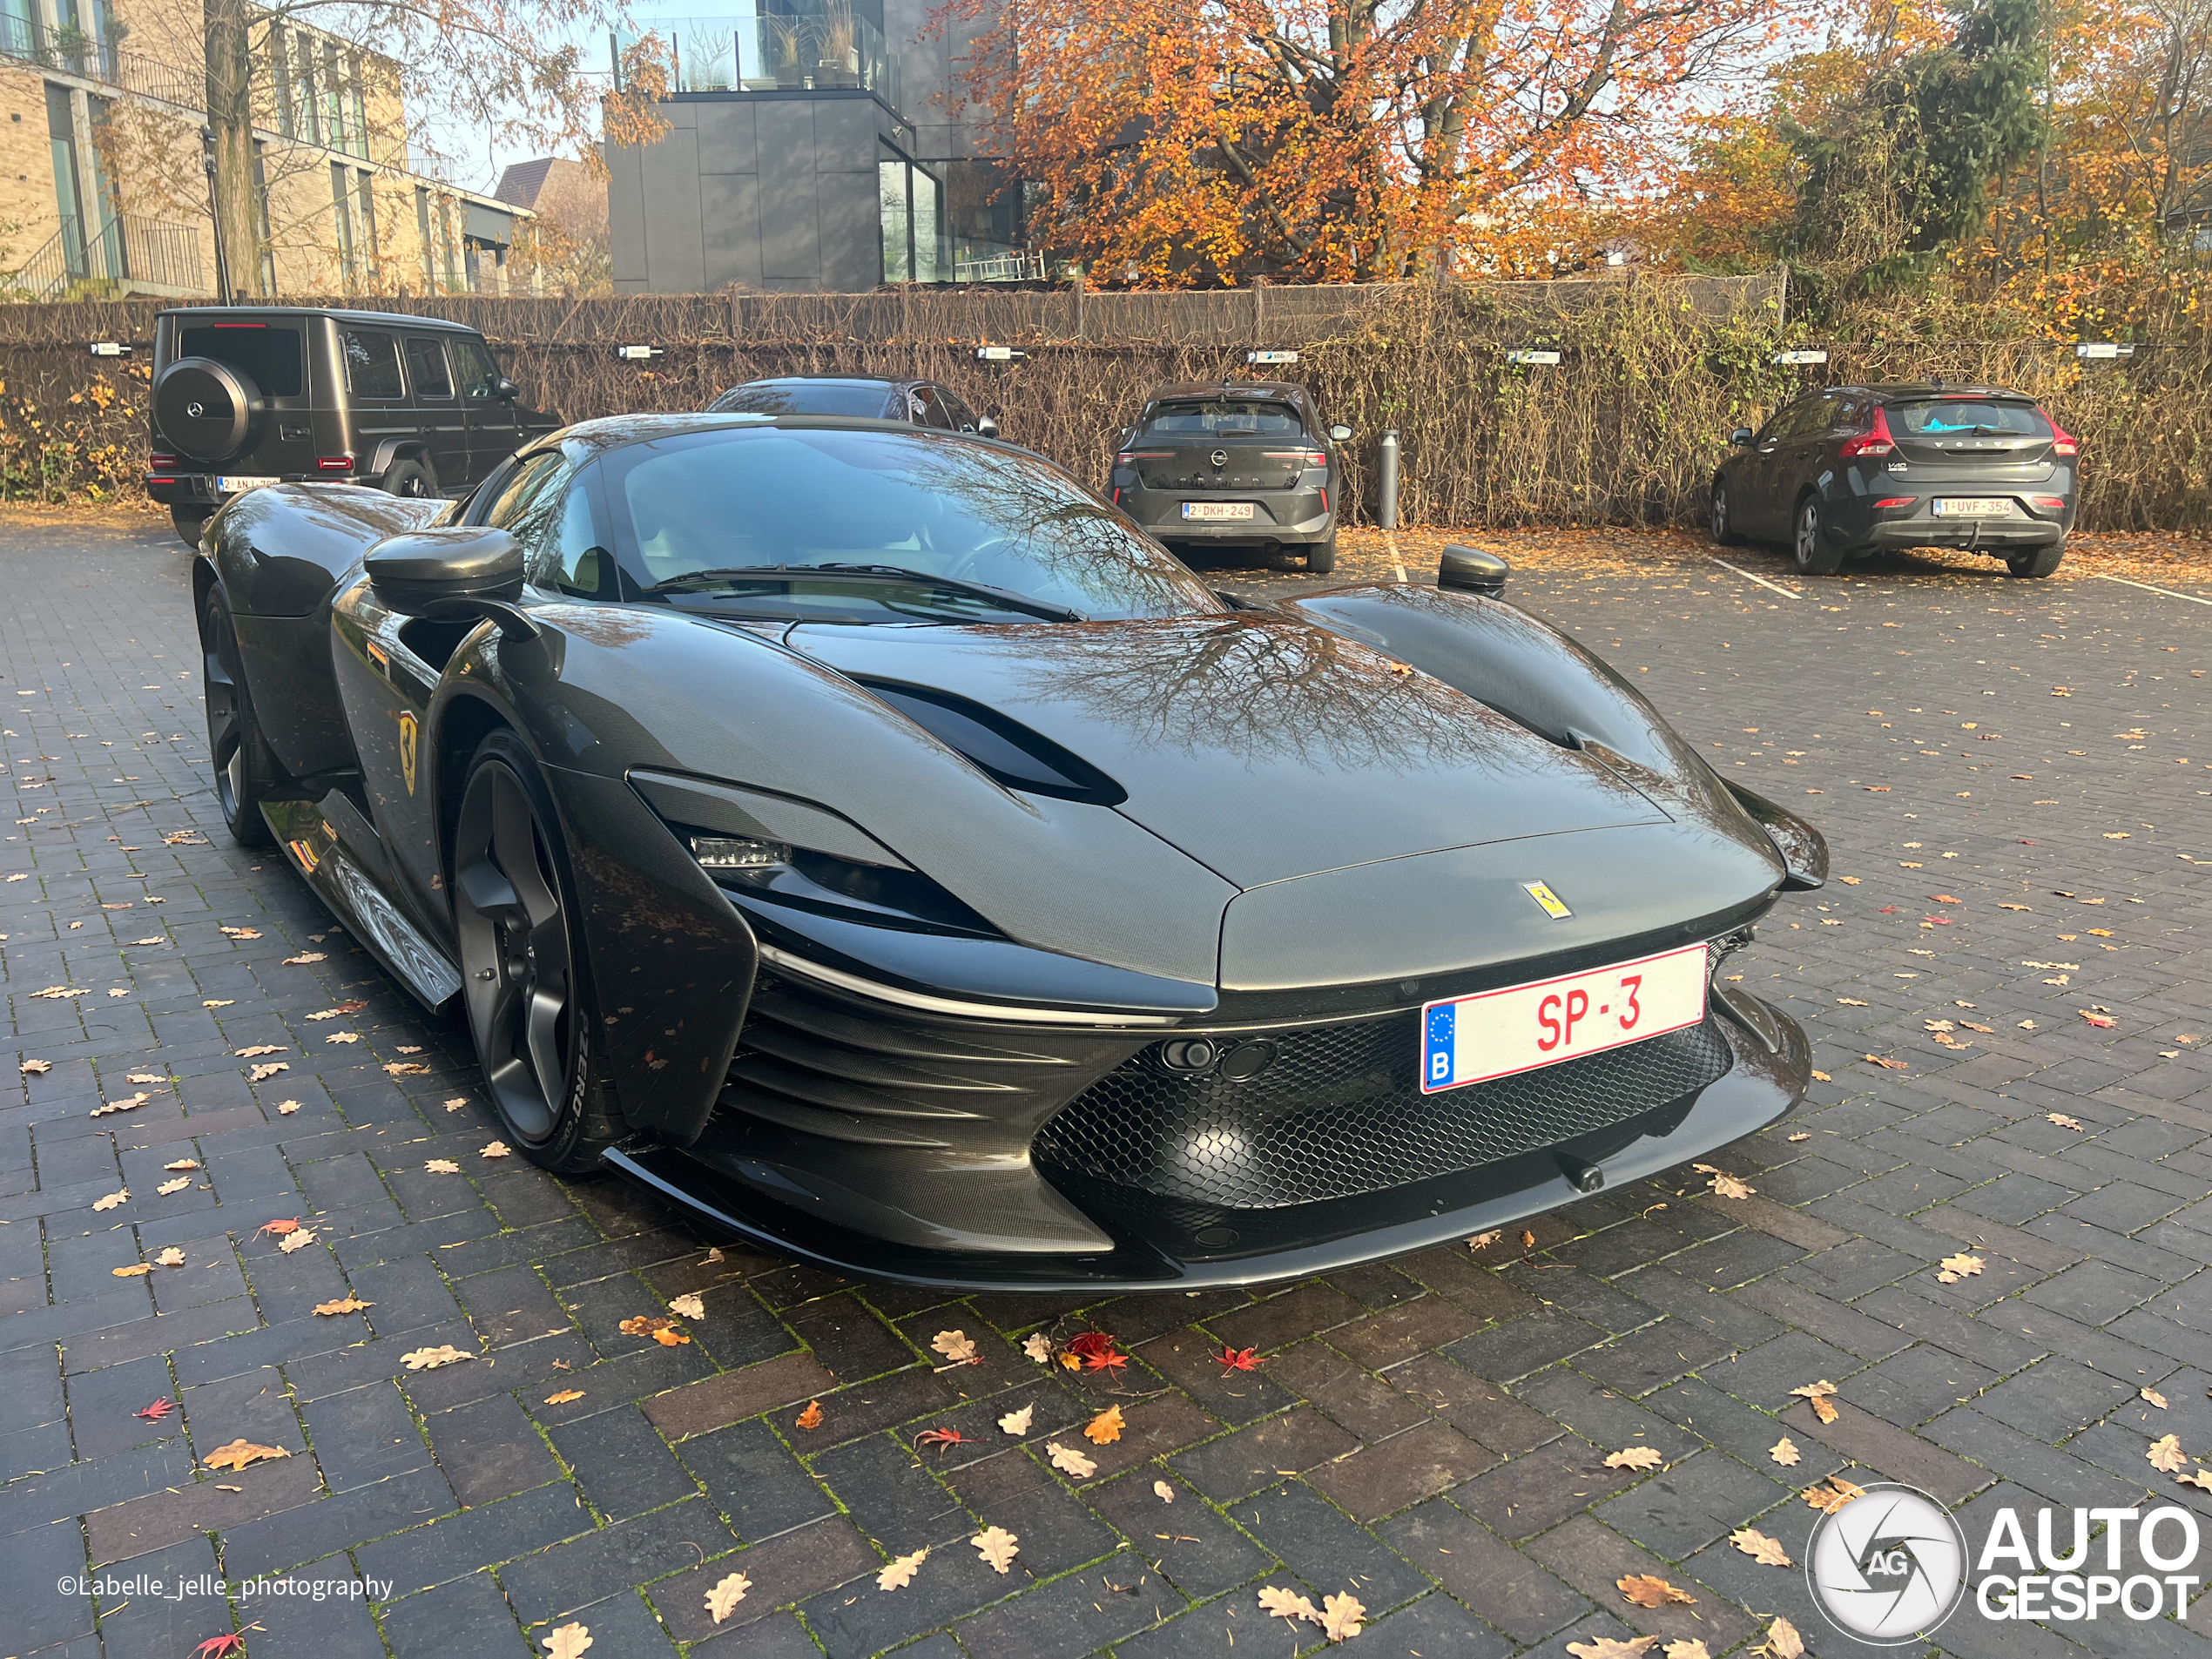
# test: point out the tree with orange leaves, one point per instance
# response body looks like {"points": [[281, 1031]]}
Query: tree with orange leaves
{"points": [[1185, 142]]}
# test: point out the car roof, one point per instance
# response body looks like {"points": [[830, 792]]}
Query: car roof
{"points": [[386, 318], [618, 431], [821, 380], [1907, 389], [1227, 388]]}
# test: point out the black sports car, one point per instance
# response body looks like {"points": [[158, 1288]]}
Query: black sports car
{"points": [[864, 836]]}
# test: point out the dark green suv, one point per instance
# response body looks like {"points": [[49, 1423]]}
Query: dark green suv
{"points": [[250, 396]]}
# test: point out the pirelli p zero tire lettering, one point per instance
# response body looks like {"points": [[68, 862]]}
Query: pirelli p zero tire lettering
{"points": [[525, 979]]}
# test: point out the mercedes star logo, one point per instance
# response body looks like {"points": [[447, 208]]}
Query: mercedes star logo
{"points": [[1219, 457], [195, 410]]}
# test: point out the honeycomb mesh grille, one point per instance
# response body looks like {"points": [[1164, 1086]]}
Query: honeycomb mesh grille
{"points": [[1340, 1113]]}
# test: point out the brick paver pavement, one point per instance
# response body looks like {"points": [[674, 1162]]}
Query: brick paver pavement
{"points": [[1429, 1433]]}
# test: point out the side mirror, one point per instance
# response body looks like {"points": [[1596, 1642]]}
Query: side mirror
{"points": [[986, 426], [506, 391], [1340, 433], [1741, 436], [454, 571], [1472, 570]]}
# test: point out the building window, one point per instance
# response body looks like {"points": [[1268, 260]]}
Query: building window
{"points": [[261, 221], [310, 125], [910, 206], [279, 50], [423, 233], [61, 141], [334, 95], [361, 107], [345, 226], [364, 190]]}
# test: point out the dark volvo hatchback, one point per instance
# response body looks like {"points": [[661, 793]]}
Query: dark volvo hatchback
{"points": [[1847, 469]]}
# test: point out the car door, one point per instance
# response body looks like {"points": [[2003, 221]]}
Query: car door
{"points": [[925, 406], [445, 427], [1803, 454], [493, 430], [378, 412], [387, 667], [961, 417], [1756, 507]]}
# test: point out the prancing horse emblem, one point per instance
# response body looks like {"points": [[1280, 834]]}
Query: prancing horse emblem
{"points": [[408, 728]]}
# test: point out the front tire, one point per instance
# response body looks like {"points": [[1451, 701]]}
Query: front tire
{"points": [[1723, 528], [246, 769], [1815, 554], [2037, 563], [524, 976]]}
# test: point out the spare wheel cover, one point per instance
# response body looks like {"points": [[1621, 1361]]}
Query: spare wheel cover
{"points": [[203, 408]]}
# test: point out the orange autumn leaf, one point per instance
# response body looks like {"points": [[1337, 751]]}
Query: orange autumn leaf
{"points": [[811, 1417], [1105, 1428]]}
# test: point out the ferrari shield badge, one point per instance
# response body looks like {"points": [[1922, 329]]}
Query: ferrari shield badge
{"points": [[408, 729], [1553, 905]]}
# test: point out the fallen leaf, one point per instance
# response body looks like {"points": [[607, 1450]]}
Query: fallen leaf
{"points": [[1163, 1491], [2152, 1396], [218, 1002], [280, 1227], [346, 1303], [304, 958], [1612, 1647], [998, 1547], [671, 1338], [441, 1166], [955, 1345], [1086, 1346], [645, 1325], [1106, 1427], [1851, 1003], [239, 1452], [901, 1572], [132, 1271], [223, 1646], [1483, 1241], [237, 933], [2166, 1454], [456, 1103], [811, 1417], [35, 1068], [1886, 1064], [262, 1073], [183, 1163], [1341, 1616], [1017, 1423], [171, 1257], [1833, 1496], [1646, 1590], [690, 1307], [411, 1048], [568, 1641], [1802, 1135], [408, 1069], [343, 1037], [1038, 1347], [285, 1108], [259, 1050], [497, 1149], [431, 1359], [1287, 1604], [111, 1200], [159, 1409], [128, 1103], [939, 1437], [1689, 1648], [1768, 1552], [1636, 1457], [1238, 1359], [2103, 1021], [1724, 1184], [1528, 1240], [1784, 1451], [722, 1600], [1954, 1268], [299, 1240], [1070, 1462], [1821, 1077], [2200, 1478], [1783, 1642], [341, 1009], [178, 1185]]}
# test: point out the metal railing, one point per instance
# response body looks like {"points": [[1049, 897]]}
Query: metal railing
{"points": [[809, 45], [130, 255], [71, 51]]}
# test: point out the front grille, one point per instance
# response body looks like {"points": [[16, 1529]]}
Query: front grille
{"points": [[1340, 1113]]}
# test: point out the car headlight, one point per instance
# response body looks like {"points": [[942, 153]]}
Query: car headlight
{"points": [[737, 852]]}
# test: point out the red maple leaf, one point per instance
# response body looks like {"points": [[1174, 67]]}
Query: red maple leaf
{"points": [[941, 1437], [1107, 1361], [1239, 1358], [155, 1413], [290, 1224], [1940, 922], [1090, 1343], [217, 1647], [1889, 910]]}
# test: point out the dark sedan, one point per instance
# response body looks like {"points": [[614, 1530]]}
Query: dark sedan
{"points": [[923, 404], [1847, 469], [1237, 463]]}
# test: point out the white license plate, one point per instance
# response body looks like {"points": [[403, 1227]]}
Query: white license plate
{"points": [[232, 483], [1973, 506], [1495, 1034], [1217, 510]]}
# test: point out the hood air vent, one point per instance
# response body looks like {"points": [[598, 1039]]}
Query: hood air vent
{"points": [[1016, 757]]}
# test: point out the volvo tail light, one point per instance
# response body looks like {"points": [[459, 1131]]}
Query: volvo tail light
{"points": [[2062, 442], [1875, 441]]}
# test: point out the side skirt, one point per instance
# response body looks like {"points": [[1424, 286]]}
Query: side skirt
{"points": [[344, 882]]}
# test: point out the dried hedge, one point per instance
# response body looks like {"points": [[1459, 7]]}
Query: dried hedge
{"points": [[1625, 430]]}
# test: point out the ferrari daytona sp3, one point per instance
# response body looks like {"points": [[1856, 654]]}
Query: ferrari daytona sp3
{"points": [[868, 839]]}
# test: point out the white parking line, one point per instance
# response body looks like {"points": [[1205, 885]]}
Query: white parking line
{"points": [[2146, 588], [1397, 564], [1761, 580]]}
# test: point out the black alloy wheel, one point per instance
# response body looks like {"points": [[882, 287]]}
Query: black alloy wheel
{"points": [[524, 978], [1723, 528], [1815, 554], [412, 479], [244, 769]]}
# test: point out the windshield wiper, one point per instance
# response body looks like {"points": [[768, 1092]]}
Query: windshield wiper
{"points": [[999, 596]]}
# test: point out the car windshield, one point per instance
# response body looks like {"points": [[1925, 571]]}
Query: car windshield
{"points": [[1972, 415], [804, 397], [730, 520], [1223, 417]]}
